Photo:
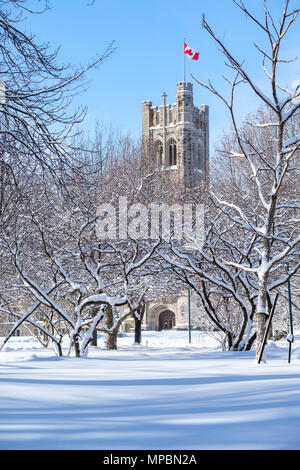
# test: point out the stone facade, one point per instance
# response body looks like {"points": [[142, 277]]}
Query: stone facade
{"points": [[186, 127], [178, 306], [179, 135], [6, 326]]}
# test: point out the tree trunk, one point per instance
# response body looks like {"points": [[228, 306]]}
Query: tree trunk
{"points": [[261, 319], [76, 345], [137, 330], [261, 313], [250, 342], [59, 349], [111, 336], [111, 340], [94, 338], [93, 341], [138, 320], [229, 341]]}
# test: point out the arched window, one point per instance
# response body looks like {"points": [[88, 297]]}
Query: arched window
{"points": [[159, 152], [172, 152]]}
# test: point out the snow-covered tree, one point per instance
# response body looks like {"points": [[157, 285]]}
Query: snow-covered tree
{"points": [[38, 122], [66, 271], [75, 279], [270, 169], [36, 119]]}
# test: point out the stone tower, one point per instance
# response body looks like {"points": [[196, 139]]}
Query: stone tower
{"points": [[179, 136]]}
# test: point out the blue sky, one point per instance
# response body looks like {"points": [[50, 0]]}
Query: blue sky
{"points": [[149, 59]]}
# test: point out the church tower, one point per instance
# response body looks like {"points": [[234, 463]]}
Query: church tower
{"points": [[179, 136]]}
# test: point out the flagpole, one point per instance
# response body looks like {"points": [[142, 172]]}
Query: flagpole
{"points": [[183, 61], [192, 55]]}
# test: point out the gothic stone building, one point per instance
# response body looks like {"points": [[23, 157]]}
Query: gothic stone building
{"points": [[179, 134]]}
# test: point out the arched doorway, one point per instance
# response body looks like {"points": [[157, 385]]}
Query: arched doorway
{"points": [[166, 320]]}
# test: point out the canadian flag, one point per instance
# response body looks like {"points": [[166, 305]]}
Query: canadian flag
{"points": [[190, 52]]}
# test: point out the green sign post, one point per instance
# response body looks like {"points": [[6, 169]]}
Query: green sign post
{"points": [[290, 336]]}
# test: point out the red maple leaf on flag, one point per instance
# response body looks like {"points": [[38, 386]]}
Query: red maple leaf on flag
{"points": [[190, 52]]}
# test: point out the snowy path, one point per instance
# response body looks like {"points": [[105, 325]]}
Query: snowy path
{"points": [[149, 398]]}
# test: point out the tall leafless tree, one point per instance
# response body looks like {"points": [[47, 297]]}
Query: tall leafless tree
{"points": [[37, 118], [269, 172]]}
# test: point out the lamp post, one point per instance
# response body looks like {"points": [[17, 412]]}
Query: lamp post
{"points": [[189, 315], [290, 336]]}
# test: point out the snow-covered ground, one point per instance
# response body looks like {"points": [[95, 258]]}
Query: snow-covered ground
{"points": [[165, 394]]}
